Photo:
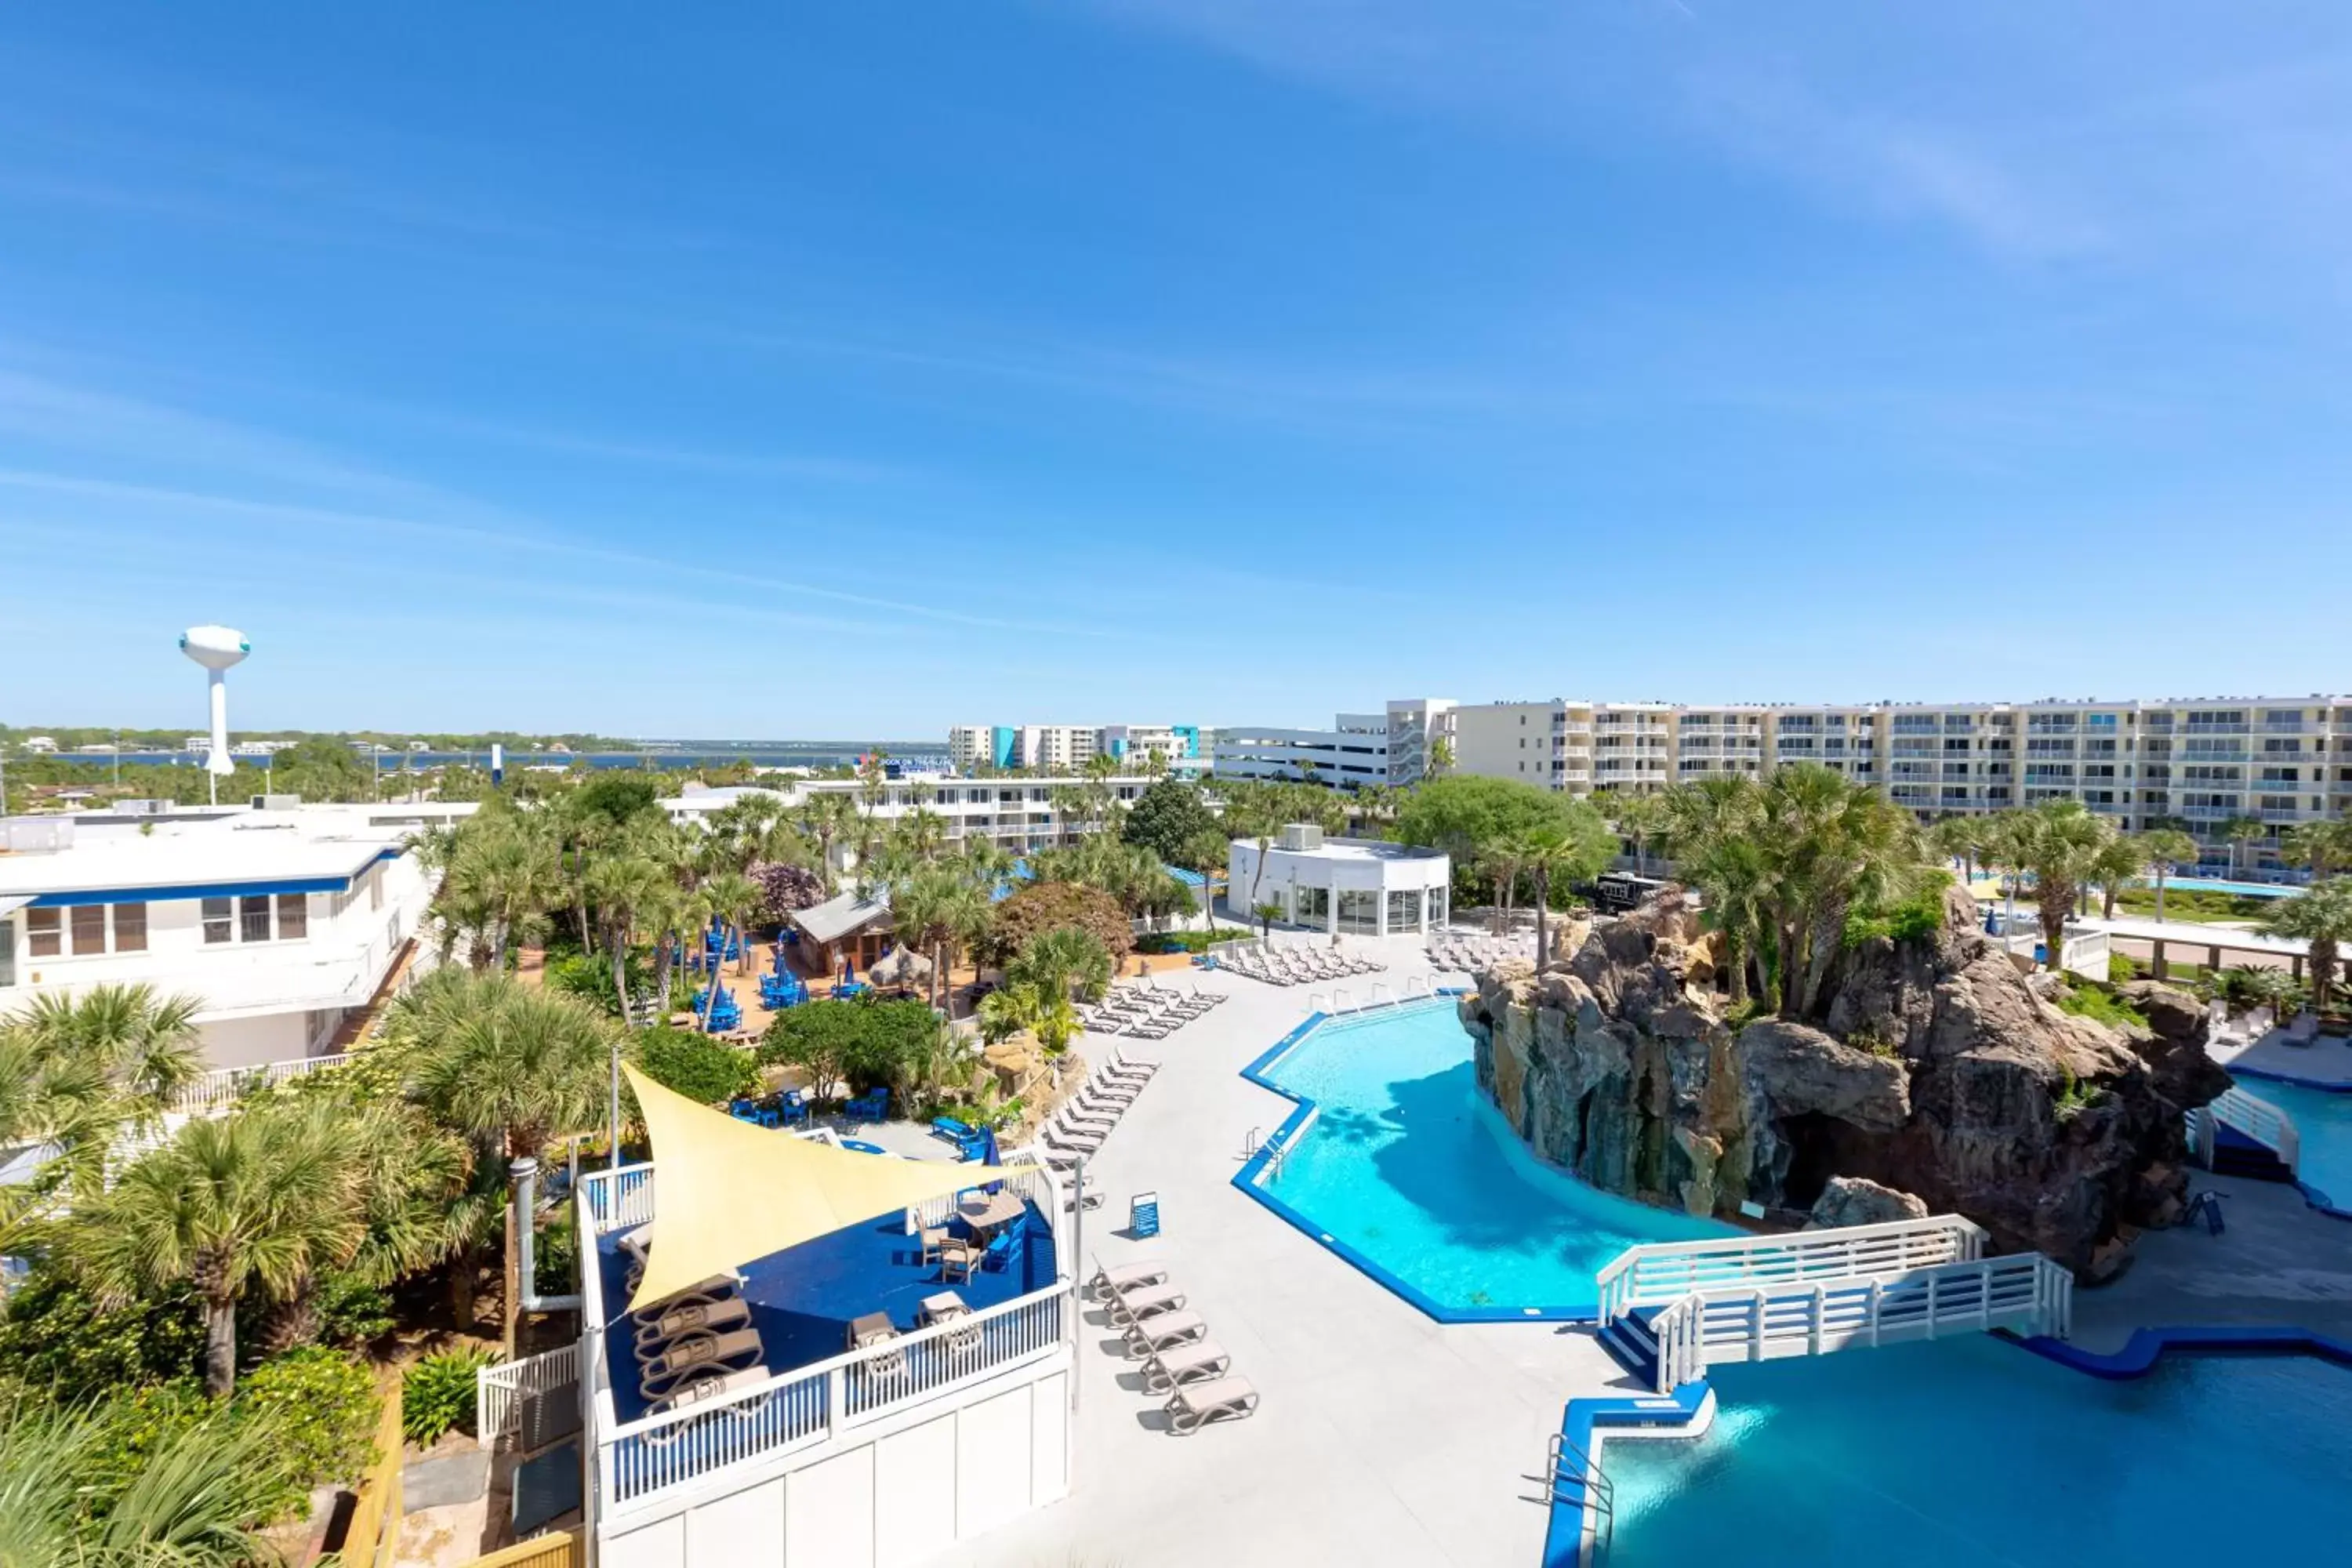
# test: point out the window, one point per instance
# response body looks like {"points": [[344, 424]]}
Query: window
{"points": [[293, 916], [130, 927], [1313, 907], [45, 933], [89, 929], [8, 953], [253, 918], [1360, 912], [1404, 910], [216, 919]]}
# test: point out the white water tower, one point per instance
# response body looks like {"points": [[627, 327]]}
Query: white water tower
{"points": [[216, 648]]}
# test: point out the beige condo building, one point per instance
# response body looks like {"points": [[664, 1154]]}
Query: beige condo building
{"points": [[2204, 763]]}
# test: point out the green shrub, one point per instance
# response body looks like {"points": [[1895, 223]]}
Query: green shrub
{"points": [[864, 1042], [555, 1254], [695, 1065], [590, 978], [1191, 941], [2086, 1000], [322, 1406], [1914, 919], [2121, 970], [58, 1342], [437, 1396]]}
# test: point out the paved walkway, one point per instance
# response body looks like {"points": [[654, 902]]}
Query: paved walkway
{"points": [[1383, 1437]]}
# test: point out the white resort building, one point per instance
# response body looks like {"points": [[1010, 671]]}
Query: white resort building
{"points": [[1019, 814], [1351, 887], [286, 921], [1396, 747], [1068, 747]]}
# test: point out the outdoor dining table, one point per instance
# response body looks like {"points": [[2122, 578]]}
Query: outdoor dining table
{"points": [[987, 1214]]}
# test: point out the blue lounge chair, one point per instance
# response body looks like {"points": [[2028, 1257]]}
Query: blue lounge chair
{"points": [[954, 1131]]}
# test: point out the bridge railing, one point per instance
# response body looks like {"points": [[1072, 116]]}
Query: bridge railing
{"points": [[1655, 1273]]}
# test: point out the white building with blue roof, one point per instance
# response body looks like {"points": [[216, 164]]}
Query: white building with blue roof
{"points": [[281, 921]]}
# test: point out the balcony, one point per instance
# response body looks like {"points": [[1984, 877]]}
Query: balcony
{"points": [[2196, 753]]}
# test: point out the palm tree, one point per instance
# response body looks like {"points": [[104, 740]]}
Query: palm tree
{"points": [[2240, 830], [504, 876], [191, 1501], [679, 914], [2321, 917], [622, 888], [1569, 854], [2167, 848], [734, 896], [1499, 857], [1058, 960], [2321, 846], [265, 1199], [1637, 817], [146, 1044], [510, 1066], [1831, 846], [2061, 842], [2124, 858], [1736, 875], [827, 816], [1959, 838]]}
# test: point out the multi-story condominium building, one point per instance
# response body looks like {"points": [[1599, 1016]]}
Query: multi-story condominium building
{"points": [[1018, 813], [284, 923], [1068, 746], [1396, 747], [2207, 764]]}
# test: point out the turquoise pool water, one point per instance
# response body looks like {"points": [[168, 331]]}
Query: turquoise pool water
{"points": [[1408, 1165], [1968, 1452], [2323, 1123], [2242, 890]]}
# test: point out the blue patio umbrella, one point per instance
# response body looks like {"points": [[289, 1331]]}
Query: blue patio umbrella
{"points": [[990, 1155]]}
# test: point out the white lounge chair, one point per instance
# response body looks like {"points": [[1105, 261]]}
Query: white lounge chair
{"points": [[1194, 1405], [1196, 1362], [1144, 1302], [1109, 1282], [1154, 1335]]}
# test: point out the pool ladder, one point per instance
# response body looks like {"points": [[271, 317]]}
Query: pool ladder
{"points": [[1574, 1478], [1252, 1145]]}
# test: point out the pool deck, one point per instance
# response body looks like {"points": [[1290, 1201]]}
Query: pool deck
{"points": [[1381, 1437], [2280, 1263], [2319, 1061]]}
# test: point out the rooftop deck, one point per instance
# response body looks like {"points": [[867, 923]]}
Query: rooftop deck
{"points": [[803, 1299]]}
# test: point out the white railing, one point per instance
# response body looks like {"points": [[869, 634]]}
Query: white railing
{"points": [[2258, 1119], [499, 1391], [223, 1087], [816, 1403], [1037, 1184], [1658, 1272], [2025, 1291], [618, 1199]]}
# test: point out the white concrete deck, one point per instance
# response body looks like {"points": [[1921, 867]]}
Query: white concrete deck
{"points": [[2323, 1059], [1381, 1437]]}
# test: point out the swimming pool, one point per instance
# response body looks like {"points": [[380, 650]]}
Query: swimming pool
{"points": [[1420, 1182], [2323, 1125], [1969, 1452], [2242, 890]]}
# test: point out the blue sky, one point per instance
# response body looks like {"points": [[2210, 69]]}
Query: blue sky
{"points": [[870, 367]]}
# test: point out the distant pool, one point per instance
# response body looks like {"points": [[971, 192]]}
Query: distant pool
{"points": [[2241, 890], [1411, 1169], [2323, 1125], [1968, 1452]]}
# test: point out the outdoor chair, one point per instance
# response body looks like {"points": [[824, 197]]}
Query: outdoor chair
{"points": [[874, 1105], [740, 1347], [1199, 1361], [713, 1387], [1194, 1405]]}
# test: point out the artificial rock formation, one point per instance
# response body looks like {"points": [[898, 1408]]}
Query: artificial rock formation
{"points": [[1933, 1072]]}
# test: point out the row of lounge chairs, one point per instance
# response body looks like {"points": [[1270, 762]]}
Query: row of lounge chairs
{"points": [[1300, 965], [1180, 1360], [698, 1347], [1146, 1012], [1077, 1129], [1466, 953]]}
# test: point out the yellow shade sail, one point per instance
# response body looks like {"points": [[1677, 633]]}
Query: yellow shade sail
{"points": [[727, 1192]]}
